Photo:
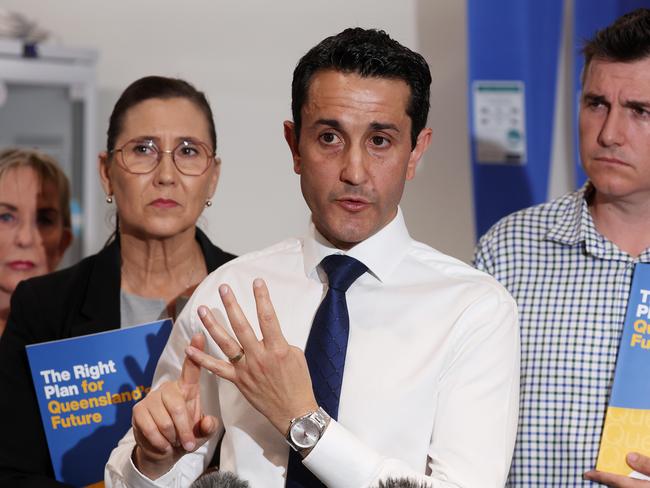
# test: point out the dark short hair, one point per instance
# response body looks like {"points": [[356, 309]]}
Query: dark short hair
{"points": [[368, 53], [626, 40], [157, 87]]}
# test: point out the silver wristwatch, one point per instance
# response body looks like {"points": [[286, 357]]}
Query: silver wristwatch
{"points": [[304, 432]]}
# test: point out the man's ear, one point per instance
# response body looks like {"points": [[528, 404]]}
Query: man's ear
{"points": [[421, 145], [292, 141], [105, 178]]}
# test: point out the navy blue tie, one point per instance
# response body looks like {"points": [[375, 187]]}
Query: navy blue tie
{"points": [[325, 352]]}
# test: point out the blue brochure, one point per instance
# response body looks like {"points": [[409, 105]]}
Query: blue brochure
{"points": [[627, 423], [86, 387]]}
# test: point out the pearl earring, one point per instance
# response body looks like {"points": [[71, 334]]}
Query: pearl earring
{"points": [[109, 198], [208, 203]]}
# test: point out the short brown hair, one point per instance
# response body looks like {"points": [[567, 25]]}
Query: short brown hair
{"points": [[47, 169], [626, 40]]}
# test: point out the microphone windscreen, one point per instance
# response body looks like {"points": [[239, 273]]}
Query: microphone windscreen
{"points": [[402, 483], [219, 479]]}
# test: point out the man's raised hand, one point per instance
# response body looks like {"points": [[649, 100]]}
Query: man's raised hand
{"points": [[169, 421], [270, 373]]}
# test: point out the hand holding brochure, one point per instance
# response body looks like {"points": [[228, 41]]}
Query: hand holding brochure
{"points": [[86, 387]]}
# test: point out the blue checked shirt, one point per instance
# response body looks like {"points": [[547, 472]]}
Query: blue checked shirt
{"points": [[571, 285]]}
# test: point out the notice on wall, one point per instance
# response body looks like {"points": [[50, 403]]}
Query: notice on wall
{"points": [[499, 134]]}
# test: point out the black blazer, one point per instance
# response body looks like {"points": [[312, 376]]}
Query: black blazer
{"points": [[79, 300]]}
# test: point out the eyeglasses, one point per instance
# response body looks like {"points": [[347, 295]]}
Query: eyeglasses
{"points": [[142, 156]]}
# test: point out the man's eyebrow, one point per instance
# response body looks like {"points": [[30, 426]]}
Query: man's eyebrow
{"points": [[593, 98], [634, 104], [8, 206], [329, 122], [383, 126], [637, 104], [335, 124]]}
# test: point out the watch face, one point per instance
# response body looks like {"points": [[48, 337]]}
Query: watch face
{"points": [[305, 433]]}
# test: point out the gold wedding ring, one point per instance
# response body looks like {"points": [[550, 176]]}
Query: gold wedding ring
{"points": [[237, 358]]}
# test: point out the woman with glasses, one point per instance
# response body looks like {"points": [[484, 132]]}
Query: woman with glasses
{"points": [[160, 171]]}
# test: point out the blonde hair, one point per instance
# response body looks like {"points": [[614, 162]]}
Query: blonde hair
{"points": [[47, 169]]}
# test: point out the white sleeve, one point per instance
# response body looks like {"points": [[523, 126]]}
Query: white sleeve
{"points": [[475, 423], [120, 472]]}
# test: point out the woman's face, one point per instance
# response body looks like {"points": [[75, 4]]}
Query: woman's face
{"points": [[164, 202], [32, 236]]}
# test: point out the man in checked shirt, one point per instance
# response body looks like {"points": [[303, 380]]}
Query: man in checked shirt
{"points": [[569, 265]]}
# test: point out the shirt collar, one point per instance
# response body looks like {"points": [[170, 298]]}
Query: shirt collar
{"points": [[381, 252], [576, 225], [575, 216]]}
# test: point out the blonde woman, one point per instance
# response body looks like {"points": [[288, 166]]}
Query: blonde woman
{"points": [[34, 219]]}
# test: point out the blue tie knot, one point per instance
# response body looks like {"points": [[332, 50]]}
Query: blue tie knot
{"points": [[342, 270]]}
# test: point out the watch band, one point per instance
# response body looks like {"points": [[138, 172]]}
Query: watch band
{"points": [[315, 422]]}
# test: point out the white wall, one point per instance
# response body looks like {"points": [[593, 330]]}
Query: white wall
{"points": [[242, 54]]}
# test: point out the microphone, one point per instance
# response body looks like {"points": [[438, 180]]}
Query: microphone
{"points": [[219, 479], [402, 483]]}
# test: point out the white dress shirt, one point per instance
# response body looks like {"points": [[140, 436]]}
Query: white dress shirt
{"points": [[431, 378]]}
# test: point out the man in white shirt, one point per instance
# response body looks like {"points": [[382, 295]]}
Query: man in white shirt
{"points": [[428, 386]]}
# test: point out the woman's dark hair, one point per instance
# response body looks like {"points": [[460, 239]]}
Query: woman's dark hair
{"points": [[368, 53], [157, 87]]}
